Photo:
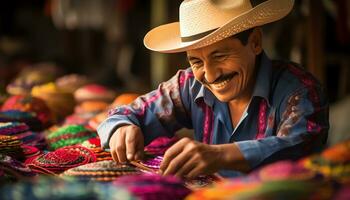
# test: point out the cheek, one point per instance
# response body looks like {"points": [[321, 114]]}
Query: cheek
{"points": [[198, 74]]}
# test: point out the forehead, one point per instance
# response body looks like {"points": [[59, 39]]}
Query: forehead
{"points": [[228, 44]]}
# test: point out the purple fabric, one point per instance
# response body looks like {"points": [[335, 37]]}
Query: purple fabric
{"points": [[152, 186]]}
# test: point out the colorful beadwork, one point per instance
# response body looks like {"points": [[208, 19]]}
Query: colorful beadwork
{"points": [[18, 116], [334, 162], [11, 146], [69, 135], [27, 103], [22, 132], [14, 168], [60, 160], [101, 171]]}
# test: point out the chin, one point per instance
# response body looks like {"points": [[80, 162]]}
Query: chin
{"points": [[225, 98]]}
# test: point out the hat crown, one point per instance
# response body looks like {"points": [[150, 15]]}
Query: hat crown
{"points": [[199, 16]]}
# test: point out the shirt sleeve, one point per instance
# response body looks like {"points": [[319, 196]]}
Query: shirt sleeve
{"points": [[158, 113], [303, 129]]}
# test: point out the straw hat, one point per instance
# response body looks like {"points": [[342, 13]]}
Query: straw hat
{"points": [[204, 22]]}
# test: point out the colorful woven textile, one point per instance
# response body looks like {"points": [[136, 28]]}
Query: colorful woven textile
{"points": [[18, 116], [31, 76], [44, 188], [107, 170], [30, 151], [94, 144], [152, 162], [160, 145], [22, 132], [284, 170], [94, 92], [92, 107], [71, 82], [28, 103], [271, 190], [13, 168], [333, 162], [75, 119], [124, 99], [11, 146], [60, 160], [152, 186], [61, 103], [13, 128], [69, 135]]}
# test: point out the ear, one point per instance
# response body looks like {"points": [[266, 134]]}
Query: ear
{"points": [[255, 40]]}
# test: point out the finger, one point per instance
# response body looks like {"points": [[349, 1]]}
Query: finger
{"points": [[112, 148], [177, 163], [187, 167], [115, 156], [120, 147], [139, 149], [130, 143], [196, 171], [172, 152]]}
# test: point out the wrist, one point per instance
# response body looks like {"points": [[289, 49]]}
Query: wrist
{"points": [[231, 157]]}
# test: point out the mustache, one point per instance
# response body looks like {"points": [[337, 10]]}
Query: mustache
{"points": [[219, 79]]}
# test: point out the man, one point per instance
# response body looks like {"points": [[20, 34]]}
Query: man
{"points": [[245, 109]]}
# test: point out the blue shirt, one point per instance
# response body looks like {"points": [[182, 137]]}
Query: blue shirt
{"points": [[287, 117]]}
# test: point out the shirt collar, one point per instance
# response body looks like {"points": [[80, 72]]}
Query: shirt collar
{"points": [[261, 88]]}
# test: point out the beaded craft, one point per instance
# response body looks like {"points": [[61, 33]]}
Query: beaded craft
{"points": [[11, 146], [101, 171], [60, 160], [18, 116], [27, 103], [69, 135], [333, 162], [22, 132], [14, 168]]}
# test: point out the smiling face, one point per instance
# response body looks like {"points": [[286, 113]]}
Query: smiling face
{"points": [[227, 67]]}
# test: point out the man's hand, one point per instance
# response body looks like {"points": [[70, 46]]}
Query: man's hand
{"points": [[190, 158], [127, 144]]}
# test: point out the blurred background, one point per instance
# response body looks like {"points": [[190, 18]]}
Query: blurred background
{"points": [[103, 40]]}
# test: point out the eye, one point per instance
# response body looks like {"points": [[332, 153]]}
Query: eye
{"points": [[219, 56], [196, 65]]}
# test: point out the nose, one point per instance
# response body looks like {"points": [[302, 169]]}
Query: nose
{"points": [[211, 73]]}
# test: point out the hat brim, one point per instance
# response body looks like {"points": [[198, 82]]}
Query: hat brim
{"points": [[167, 38]]}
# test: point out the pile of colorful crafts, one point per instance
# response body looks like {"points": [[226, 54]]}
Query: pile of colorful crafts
{"points": [[321, 176], [49, 149]]}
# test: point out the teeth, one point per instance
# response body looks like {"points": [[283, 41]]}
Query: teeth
{"points": [[220, 85]]}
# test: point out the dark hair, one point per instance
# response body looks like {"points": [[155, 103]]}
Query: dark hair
{"points": [[243, 36]]}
